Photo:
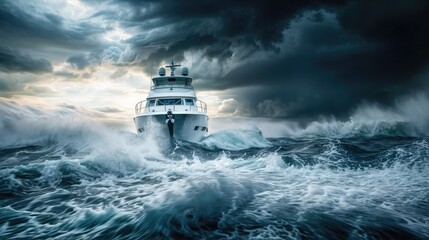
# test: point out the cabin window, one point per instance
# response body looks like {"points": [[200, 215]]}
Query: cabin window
{"points": [[196, 128], [203, 129], [189, 102], [171, 79], [151, 103], [175, 101]]}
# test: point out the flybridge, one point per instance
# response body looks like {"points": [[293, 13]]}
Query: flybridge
{"points": [[164, 80]]}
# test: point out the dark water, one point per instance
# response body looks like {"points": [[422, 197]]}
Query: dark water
{"points": [[80, 181]]}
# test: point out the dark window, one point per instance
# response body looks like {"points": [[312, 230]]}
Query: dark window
{"points": [[176, 101], [196, 128], [151, 103], [189, 102], [172, 79], [203, 129]]}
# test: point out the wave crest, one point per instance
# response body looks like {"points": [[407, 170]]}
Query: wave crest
{"points": [[407, 117], [237, 139]]}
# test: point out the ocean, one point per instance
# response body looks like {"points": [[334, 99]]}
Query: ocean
{"points": [[68, 178]]}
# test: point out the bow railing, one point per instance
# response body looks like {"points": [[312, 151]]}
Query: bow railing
{"points": [[143, 107]]}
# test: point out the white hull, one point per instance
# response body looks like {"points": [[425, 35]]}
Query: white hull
{"points": [[190, 127]]}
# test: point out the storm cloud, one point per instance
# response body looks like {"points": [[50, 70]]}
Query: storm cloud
{"points": [[26, 26], [266, 58], [14, 61], [305, 54]]}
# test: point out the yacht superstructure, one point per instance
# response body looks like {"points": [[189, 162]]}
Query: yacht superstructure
{"points": [[173, 106]]}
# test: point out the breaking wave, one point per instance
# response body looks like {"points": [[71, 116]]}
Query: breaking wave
{"points": [[237, 139], [408, 117], [63, 176]]}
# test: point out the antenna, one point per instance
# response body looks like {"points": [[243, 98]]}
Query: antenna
{"points": [[193, 72], [151, 69], [173, 67]]}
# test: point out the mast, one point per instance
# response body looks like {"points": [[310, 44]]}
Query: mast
{"points": [[172, 67]]}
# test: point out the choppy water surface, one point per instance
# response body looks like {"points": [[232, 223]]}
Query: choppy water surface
{"points": [[79, 181]]}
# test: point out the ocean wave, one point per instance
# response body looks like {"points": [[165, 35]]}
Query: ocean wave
{"points": [[122, 194], [235, 139], [408, 117], [83, 180]]}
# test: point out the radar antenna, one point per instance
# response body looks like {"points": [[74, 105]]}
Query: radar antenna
{"points": [[172, 67]]}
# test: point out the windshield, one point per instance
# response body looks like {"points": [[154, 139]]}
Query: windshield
{"points": [[175, 101]]}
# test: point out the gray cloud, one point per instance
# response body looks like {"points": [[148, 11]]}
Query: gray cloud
{"points": [[7, 85], [324, 69], [40, 91], [274, 59], [119, 73], [107, 109], [217, 29], [13, 61], [12, 84], [79, 61], [27, 27], [258, 21], [303, 56]]}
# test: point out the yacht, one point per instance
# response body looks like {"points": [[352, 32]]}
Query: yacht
{"points": [[172, 107]]}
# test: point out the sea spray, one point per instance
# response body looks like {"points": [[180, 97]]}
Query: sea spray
{"points": [[84, 180], [237, 139]]}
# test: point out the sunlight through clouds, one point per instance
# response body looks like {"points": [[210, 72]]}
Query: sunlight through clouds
{"points": [[292, 61]]}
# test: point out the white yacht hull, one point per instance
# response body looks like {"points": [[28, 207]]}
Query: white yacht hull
{"points": [[188, 127]]}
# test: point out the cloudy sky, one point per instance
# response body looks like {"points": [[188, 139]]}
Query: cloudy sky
{"points": [[273, 59]]}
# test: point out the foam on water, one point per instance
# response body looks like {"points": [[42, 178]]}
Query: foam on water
{"points": [[237, 139], [82, 180], [409, 116]]}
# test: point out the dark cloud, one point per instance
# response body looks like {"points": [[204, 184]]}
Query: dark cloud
{"points": [[215, 28], [260, 21], [13, 61], [273, 58], [7, 85], [79, 61], [400, 28], [27, 27], [299, 58], [148, 56], [329, 68], [12, 84]]}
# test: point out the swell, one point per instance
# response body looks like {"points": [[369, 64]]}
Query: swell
{"points": [[83, 180], [288, 193], [238, 139]]}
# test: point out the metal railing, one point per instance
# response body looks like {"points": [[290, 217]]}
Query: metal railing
{"points": [[171, 86], [199, 106]]}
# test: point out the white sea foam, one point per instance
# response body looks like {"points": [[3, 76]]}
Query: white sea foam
{"points": [[236, 139], [118, 183], [187, 196], [409, 116]]}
